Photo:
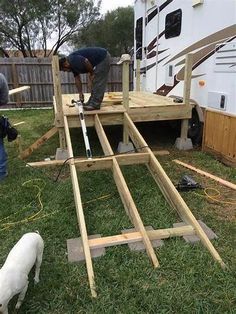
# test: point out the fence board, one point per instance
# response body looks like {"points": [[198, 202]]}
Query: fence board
{"points": [[37, 73]]}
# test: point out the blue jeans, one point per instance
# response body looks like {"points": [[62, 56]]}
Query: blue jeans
{"points": [[3, 160]]}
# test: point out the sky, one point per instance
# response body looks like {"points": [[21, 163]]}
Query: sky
{"points": [[106, 5], [109, 5]]}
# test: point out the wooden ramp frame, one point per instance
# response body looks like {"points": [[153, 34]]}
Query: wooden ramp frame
{"points": [[113, 162]]}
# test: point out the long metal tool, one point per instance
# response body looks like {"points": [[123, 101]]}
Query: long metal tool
{"points": [[79, 105]]}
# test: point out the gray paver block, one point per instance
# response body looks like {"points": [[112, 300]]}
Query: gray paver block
{"points": [[75, 249], [183, 143], [125, 148], [61, 154], [193, 238], [139, 246]]}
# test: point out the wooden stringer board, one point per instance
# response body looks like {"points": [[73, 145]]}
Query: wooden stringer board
{"points": [[114, 162]]}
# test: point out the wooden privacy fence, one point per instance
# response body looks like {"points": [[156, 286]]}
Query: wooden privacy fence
{"points": [[37, 73]]}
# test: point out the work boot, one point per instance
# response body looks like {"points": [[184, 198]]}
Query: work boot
{"points": [[90, 107]]}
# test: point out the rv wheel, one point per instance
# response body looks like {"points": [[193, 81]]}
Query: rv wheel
{"points": [[195, 129]]}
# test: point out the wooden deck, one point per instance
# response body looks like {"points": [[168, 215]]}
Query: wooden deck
{"points": [[143, 107]]}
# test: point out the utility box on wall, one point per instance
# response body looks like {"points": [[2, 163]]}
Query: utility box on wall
{"points": [[220, 136], [217, 100]]}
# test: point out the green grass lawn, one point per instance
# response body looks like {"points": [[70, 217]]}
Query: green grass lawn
{"points": [[188, 281]]}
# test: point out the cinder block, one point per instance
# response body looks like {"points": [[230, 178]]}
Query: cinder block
{"points": [[61, 154], [183, 143], [125, 148], [75, 249], [194, 238], [139, 246]]}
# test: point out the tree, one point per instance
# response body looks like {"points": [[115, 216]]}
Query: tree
{"points": [[114, 32], [28, 24]]}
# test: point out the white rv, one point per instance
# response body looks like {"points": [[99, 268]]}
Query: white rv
{"points": [[166, 30]]}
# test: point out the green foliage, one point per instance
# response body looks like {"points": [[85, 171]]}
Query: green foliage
{"points": [[115, 32], [188, 280], [28, 25]]}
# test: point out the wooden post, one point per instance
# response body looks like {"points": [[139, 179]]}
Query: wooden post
{"points": [[79, 212], [125, 89], [137, 86], [187, 89], [57, 93]]}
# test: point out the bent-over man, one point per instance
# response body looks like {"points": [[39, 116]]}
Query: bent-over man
{"points": [[96, 62]]}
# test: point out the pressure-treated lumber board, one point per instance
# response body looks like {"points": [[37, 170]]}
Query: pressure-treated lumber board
{"points": [[27, 152], [18, 90], [102, 137], [150, 99], [160, 113], [170, 192], [57, 85], [99, 163], [125, 84], [115, 117], [58, 100], [111, 119], [80, 213], [132, 237], [125, 88], [207, 174], [133, 211], [19, 123], [106, 162], [187, 88]]}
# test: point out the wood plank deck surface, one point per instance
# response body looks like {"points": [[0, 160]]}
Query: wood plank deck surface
{"points": [[143, 106]]}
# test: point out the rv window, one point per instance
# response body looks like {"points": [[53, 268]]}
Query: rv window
{"points": [[139, 38], [173, 24]]}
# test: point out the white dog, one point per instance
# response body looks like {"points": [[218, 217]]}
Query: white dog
{"points": [[14, 273]]}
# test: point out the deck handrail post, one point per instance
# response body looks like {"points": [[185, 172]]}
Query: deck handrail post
{"points": [[183, 142], [125, 59], [58, 101], [125, 84]]}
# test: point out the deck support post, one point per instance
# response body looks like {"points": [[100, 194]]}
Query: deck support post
{"points": [[125, 146], [183, 142], [125, 89], [58, 101]]}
